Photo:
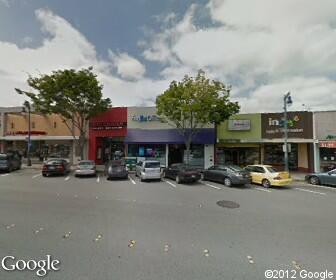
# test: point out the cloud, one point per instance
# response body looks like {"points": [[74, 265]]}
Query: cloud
{"points": [[65, 47], [127, 66], [5, 3], [257, 46]]}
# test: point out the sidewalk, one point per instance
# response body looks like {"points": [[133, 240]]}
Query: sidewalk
{"points": [[298, 176]]}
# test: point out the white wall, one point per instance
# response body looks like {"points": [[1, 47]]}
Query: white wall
{"points": [[209, 151]]}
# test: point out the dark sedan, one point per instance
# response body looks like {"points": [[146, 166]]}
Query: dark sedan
{"points": [[116, 169], [182, 173], [55, 167], [10, 162], [323, 178], [228, 175]]}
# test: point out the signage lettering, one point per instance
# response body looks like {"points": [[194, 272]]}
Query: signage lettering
{"points": [[239, 125], [145, 118], [107, 125], [18, 133]]}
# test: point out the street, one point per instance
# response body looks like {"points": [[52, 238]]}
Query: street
{"points": [[126, 229]]}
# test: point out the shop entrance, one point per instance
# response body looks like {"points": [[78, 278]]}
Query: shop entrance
{"points": [[113, 148], [175, 154], [238, 156]]}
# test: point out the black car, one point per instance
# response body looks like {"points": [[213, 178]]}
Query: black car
{"points": [[182, 173], [116, 169], [55, 167], [228, 175], [10, 161]]}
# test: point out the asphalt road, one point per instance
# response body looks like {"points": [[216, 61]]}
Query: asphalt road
{"points": [[102, 229]]}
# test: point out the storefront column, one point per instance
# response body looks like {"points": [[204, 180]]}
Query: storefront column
{"points": [[167, 156], [317, 164]]}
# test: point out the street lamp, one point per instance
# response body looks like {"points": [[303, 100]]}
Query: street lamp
{"points": [[287, 102], [26, 106]]}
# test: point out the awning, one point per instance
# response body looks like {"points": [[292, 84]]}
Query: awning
{"points": [[167, 136]]}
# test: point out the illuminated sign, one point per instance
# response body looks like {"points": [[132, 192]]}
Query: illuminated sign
{"points": [[107, 125], [239, 125]]}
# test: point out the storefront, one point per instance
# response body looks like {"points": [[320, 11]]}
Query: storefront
{"points": [[300, 139], [325, 129], [106, 135], [239, 140], [149, 138]]}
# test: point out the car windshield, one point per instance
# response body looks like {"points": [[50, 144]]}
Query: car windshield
{"points": [[235, 168], [51, 162], [271, 169], [3, 157], [152, 164], [86, 163]]}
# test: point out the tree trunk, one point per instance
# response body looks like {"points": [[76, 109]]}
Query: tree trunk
{"points": [[81, 145], [188, 144]]}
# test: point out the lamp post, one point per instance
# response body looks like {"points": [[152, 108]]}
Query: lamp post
{"points": [[26, 106], [287, 102]]}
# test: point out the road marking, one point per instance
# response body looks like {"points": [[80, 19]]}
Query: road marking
{"points": [[261, 189], [67, 178], [133, 182], [4, 175], [303, 190], [170, 183], [324, 187], [98, 179], [37, 175], [211, 186]]}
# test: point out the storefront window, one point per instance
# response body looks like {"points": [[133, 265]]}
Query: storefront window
{"points": [[328, 158], [196, 156], [240, 156], [148, 152], [274, 155]]}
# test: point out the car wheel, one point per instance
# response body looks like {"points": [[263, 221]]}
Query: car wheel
{"points": [[44, 175], [141, 179], [178, 179], [266, 183], [314, 180], [227, 182]]}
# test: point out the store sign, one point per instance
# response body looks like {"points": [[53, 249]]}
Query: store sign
{"points": [[239, 125], [331, 137], [107, 125], [25, 133], [146, 118], [328, 144], [299, 125]]}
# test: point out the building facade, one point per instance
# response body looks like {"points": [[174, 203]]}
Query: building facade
{"points": [[325, 133], [50, 136]]}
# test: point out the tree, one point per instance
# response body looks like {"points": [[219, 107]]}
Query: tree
{"points": [[193, 103], [76, 96]]}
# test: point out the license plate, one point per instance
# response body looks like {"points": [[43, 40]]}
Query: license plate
{"points": [[193, 176], [51, 167]]}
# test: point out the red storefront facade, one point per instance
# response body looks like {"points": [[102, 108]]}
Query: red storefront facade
{"points": [[106, 134]]}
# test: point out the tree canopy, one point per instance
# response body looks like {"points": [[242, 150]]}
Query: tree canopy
{"points": [[195, 102], [75, 95]]}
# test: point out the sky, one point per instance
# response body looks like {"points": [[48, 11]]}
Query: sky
{"points": [[262, 48]]}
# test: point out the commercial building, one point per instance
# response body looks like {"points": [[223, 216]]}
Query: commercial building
{"points": [[49, 134], [239, 140], [325, 132], [139, 133], [300, 138]]}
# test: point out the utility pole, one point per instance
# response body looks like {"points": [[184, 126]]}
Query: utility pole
{"points": [[287, 101]]}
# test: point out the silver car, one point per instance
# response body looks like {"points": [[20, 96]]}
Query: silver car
{"points": [[148, 170], [86, 168]]}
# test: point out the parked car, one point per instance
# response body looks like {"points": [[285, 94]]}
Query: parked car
{"points": [[116, 169], [55, 167], [268, 176], [10, 161], [86, 168], [228, 175], [182, 173], [323, 178], [148, 170]]}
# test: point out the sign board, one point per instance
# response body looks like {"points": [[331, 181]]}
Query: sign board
{"points": [[300, 125], [289, 148], [145, 118], [328, 144], [107, 125], [239, 125]]}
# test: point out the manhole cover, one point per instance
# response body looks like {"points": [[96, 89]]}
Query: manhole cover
{"points": [[228, 204]]}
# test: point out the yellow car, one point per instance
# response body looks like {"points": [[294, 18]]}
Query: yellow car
{"points": [[267, 176]]}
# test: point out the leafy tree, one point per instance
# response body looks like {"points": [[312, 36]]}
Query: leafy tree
{"points": [[193, 103], [75, 96]]}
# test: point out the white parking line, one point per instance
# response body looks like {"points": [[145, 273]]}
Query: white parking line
{"points": [[37, 175], [323, 187], [261, 189], [211, 186], [98, 179], [133, 182], [67, 178], [170, 183], [4, 175], [303, 190]]}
